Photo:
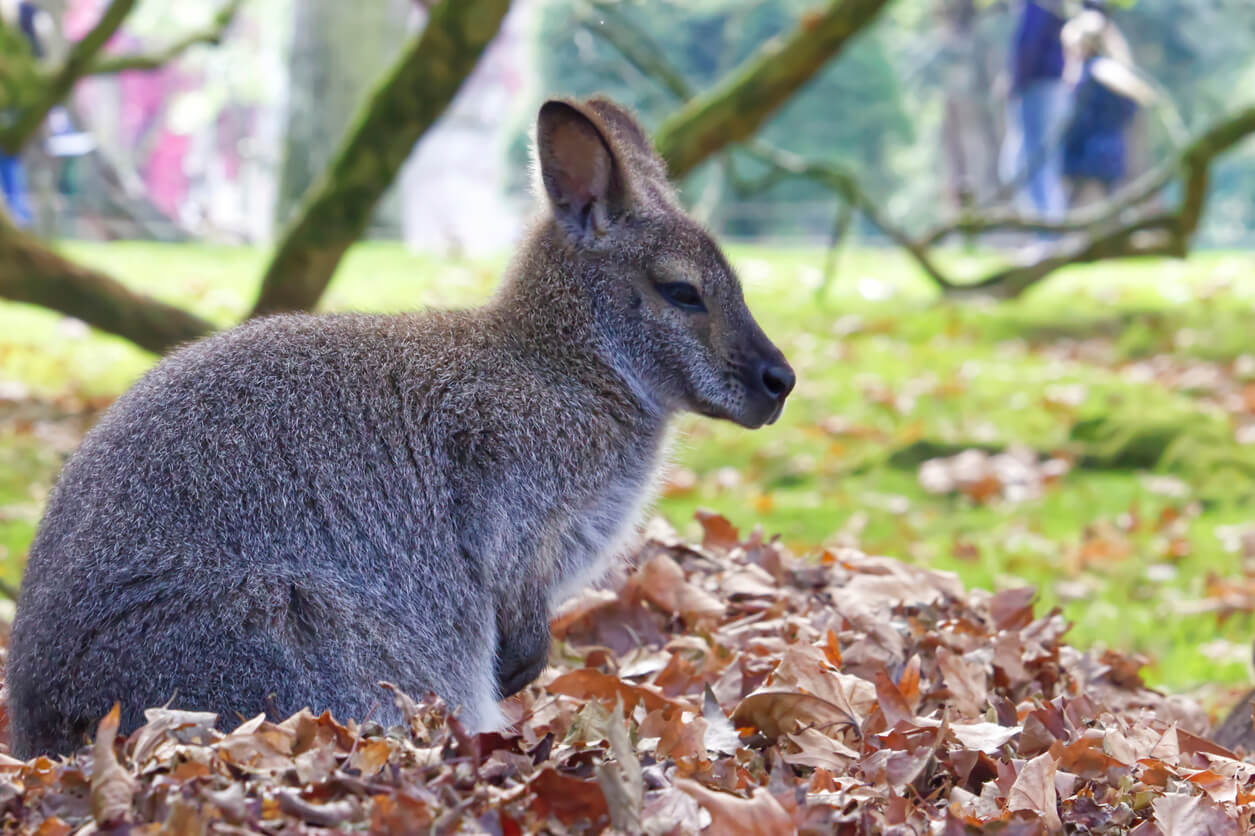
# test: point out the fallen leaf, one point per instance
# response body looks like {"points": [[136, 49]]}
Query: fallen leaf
{"points": [[112, 787], [731, 815], [717, 532], [1034, 790]]}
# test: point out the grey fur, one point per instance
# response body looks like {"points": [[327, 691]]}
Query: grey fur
{"points": [[284, 514]]}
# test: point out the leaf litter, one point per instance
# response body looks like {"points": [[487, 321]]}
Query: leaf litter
{"points": [[729, 688]]}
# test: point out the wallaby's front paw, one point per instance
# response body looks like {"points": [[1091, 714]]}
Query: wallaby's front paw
{"points": [[513, 675]]}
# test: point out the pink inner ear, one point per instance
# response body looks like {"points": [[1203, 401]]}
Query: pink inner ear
{"points": [[581, 162]]}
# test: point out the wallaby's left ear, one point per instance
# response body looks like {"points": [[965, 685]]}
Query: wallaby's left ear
{"points": [[582, 177]]}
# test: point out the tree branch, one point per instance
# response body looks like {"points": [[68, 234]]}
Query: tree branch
{"points": [[1132, 195], [844, 184], [409, 99], [1120, 230], [31, 272], [76, 64], [735, 108], [211, 35]]}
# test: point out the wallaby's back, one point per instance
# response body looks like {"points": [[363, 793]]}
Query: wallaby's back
{"points": [[193, 516]]}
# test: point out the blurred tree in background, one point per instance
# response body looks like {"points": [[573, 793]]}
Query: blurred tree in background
{"points": [[777, 114]]}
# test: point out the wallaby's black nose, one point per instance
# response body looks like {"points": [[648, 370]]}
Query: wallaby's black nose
{"points": [[778, 380]]}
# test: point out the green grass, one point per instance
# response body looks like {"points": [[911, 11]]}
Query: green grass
{"points": [[882, 364]]}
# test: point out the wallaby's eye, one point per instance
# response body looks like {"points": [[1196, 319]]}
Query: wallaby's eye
{"points": [[683, 295]]}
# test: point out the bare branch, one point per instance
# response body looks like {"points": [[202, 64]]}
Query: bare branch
{"points": [[608, 23], [844, 184], [1120, 231], [1133, 195], [211, 35]]}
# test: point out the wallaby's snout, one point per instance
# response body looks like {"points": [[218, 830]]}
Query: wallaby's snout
{"points": [[767, 377], [773, 381]]}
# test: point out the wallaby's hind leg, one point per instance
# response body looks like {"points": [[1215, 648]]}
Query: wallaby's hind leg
{"points": [[63, 691]]}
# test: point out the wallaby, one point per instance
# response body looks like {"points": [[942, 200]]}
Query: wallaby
{"points": [[284, 514], [1237, 731]]}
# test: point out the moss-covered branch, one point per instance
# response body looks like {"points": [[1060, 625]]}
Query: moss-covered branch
{"points": [[62, 80], [412, 96], [31, 272], [737, 106]]}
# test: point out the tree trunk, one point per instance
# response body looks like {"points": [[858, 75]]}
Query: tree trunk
{"points": [[734, 109], [338, 52], [410, 98]]}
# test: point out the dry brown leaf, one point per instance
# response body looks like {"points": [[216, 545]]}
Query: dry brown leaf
{"points": [[717, 532], [568, 799], [1192, 815], [112, 787], [777, 711], [1034, 790], [985, 737], [966, 680], [587, 683], [892, 704], [721, 736], [661, 581], [730, 815], [370, 756], [621, 780]]}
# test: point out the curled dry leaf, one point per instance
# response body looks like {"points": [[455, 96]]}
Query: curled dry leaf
{"points": [[717, 532], [112, 787], [1034, 790]]}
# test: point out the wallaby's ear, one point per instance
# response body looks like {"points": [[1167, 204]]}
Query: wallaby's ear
{"points": [[578, 168]]}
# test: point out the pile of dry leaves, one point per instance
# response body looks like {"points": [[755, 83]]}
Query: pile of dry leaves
{"points": [[729, 687]]}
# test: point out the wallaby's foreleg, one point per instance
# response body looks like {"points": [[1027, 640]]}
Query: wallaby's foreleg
{"points": [[522, 641]]}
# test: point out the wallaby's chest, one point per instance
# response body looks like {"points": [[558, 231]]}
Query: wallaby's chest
{"points": [[603, 527]]}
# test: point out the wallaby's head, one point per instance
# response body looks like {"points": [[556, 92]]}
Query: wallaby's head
{"points": [[664, 296]]}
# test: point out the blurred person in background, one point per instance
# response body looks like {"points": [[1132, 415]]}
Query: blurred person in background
{"points": [[1106, 95], [1037, 107], [35, 25]]}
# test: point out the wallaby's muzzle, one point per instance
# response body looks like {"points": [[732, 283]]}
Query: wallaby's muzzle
{"points": [[768, 384]]}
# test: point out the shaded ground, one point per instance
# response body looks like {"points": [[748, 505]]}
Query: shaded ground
{"points": [[1087, 383]]}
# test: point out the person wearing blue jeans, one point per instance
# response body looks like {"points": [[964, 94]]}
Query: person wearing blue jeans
{"points": [[13, 187], [1037, 108]]}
